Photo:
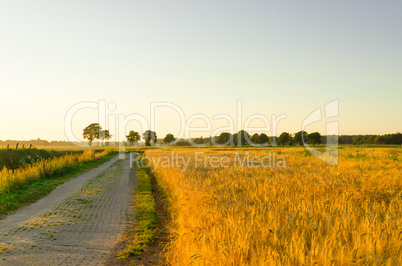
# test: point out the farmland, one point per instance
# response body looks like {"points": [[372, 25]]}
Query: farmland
{"points": [[301, 211], [12, 159], [33, 174]]}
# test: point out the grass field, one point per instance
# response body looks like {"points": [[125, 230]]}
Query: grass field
{"points": [[12, 158], [39, 176], [300, 211]]}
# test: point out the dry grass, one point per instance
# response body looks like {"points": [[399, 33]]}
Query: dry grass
{"points": [[305, 213]]}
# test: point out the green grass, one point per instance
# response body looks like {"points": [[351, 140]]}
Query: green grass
{"points": [[145, 230], [31, 192]]}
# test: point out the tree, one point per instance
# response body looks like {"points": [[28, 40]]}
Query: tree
{"points": [[91, 132], [169, 138], [285, 139], [371, 139], [255, 139], [133, 137], [263, 139], [149, 137], [104, 135], [331, 139], [225, 138], [314, 138], [300, 137], [395, 138], [241, 138], [199, 141], [183, 142], [357, 140]]}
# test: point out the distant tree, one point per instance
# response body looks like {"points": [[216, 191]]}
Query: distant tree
{"points": [[182, 142], [370, 139], [225, 138], [344, 139], [263, 139], [91, 132], [207, 141], [133, 137], [234, 139], [104, 135], [255, 139], [331, 139], [395, 138], [241, 138], [379, 139], [285, 139], [149, 137], [169, 138], [314, 138], [200, 140], [358, 140], [300, 137]]}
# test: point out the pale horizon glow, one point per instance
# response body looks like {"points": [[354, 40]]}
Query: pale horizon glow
{"points": [[277, 57]]}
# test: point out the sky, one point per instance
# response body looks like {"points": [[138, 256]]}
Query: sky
{"points": [[66, 64]]}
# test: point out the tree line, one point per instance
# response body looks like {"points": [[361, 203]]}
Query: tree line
{"points": [[286, 139], [243, 138], [387, 139]]}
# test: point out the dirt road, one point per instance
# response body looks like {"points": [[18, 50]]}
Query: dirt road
{"points": [[77, 224]]}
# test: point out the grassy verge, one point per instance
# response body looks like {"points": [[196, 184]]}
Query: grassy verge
{"points": [[144, 231], [12, 159], [31, 192]]}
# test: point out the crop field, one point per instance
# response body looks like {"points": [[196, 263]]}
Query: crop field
{"points": [[30, 166], [290, 208]]}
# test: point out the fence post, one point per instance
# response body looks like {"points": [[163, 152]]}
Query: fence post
{"points": [[16, 146], [30, 146], [8, 145]]}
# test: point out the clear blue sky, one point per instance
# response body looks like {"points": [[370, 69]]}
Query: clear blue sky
{"points": [[278, 57]]}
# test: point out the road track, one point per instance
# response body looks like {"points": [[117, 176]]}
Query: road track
{"points": [[77, 224]]}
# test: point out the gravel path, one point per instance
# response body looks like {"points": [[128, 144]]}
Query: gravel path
{"points": [[77, 224]]}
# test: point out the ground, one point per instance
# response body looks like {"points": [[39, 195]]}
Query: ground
{"points": [[154, 253], [78, 223]]}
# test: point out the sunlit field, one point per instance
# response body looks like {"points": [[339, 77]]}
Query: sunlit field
{"points": [[45, 168], [301, 212]]}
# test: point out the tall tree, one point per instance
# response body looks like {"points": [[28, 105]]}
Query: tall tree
{"points": [[241, 138], [133, 137], [91, 132], [169, 138], [263, 139], [225, 138], [300, 137], [255, 139], [104, 135], [149, 137], [314, 138], [285, 139]]}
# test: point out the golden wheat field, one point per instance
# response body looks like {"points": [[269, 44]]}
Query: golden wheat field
{"points": [[301, 211]]}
